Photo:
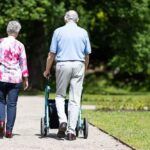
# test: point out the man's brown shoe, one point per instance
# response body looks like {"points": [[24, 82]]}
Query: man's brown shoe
{"points": [[71, 137], [62, 130], [2, 128]]}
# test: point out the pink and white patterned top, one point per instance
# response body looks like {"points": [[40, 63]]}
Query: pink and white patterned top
{"points": [[13, 62]]}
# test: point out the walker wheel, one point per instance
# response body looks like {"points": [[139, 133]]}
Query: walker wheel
{"points": [[77, 131], [44, 130], [85, 128]]}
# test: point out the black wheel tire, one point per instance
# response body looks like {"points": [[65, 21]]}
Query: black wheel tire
{"points": [[43, 128], [85, 128], [77, 132]]}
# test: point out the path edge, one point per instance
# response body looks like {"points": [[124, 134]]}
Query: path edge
{"points": [[113, 137]]}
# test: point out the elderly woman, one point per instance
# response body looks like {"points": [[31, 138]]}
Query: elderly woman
{"points": [[13, 70]]}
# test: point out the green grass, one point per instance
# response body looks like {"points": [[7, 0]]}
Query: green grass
{"points": [[120, 101], [131, 127], [137, 101], [31, 92], [36, 93]]}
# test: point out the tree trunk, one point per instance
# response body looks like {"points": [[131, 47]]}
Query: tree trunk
{"points": [[36, 54]]}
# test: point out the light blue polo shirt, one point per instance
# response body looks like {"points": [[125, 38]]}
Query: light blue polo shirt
{"points": [[70, 42]]}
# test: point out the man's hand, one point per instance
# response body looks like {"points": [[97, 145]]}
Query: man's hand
{"points": [[46, 74], [25, 83], [49, 63]]}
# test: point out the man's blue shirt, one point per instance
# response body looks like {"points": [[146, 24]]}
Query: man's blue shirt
{"points": [[70, 42]]}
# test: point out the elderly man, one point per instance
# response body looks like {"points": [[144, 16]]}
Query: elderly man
{"points": [[70, 47]]}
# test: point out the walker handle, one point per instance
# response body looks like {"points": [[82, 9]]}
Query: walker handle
{"points": [[48, 80]]}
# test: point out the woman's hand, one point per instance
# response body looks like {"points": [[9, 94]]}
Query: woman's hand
{"points": [[25, 83]]}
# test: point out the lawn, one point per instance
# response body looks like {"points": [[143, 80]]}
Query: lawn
{"points": [[123, 116], [136, 101], [132, 128]]}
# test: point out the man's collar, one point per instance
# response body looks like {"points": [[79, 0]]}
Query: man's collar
{"points": [[71, 23]]}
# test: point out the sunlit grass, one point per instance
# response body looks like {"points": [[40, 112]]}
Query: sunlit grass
{"points": [[119, 102], [131, 127]]}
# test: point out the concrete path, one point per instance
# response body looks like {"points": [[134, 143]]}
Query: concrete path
{"points": [[27, 132]]}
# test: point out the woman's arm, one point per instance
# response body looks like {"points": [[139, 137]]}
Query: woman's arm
{"points": [[24, 68]]}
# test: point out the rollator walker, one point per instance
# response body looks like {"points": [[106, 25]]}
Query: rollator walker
{"points": [[51, 121]]}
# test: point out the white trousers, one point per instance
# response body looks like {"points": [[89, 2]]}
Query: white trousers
{"points": [[69, 73]]}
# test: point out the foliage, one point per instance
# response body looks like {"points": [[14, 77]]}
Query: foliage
{"points": [[105, 83], [119, 32], [38, 19]]}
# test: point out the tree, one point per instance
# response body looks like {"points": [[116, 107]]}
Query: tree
{"points": [[119, 31], [38, 19]]}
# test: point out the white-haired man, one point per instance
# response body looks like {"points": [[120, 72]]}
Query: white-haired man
{"points": [[70, 47]]}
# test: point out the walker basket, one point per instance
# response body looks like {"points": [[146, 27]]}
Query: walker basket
{"points": [[53, 117]]}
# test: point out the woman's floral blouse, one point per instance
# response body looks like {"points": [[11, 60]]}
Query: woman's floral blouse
{"points": [[13, 62]]}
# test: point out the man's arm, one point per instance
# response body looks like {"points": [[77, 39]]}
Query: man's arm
{"points": [[49, 63], [87, 57]]}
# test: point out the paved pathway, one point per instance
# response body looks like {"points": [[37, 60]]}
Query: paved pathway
{"points": [[27, 132]]}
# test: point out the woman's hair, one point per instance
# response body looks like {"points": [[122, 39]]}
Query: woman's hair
{"points": [[71, 15], [13, 27]]}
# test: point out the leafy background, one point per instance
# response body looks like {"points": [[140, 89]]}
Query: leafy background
{"points": [[119, 34]]}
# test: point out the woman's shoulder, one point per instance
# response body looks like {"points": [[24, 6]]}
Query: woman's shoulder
{"points": [[1, 39], [19, 43]]}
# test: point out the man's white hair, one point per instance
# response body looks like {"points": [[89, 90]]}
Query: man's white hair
{"points": [[71, 15], [13, 27]]}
